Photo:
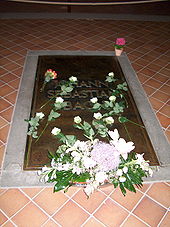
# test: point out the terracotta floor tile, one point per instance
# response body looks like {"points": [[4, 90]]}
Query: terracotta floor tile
{"points": [[11, 66], [90, 204], [72, 190], [165, 110], [156, 104], [3, 122], [4, 104], [142, 78], [165, 88], [30, 215], [111, 214], [154, 67], [149, 90], [50, 223], [5, 90], [1, 83], [144, 187], [153, 83], [31, 192], [132, 221], [8, 77], [164, 120], [54, 200], [164, 71], [8, 224], [3, 218], [149, 211], [167, 133], [161, 96], [11, 97], [92, 223], [160, 77], [166, 220], [15, 83], [4, 133], [75, 215], [10, 205], [147, 72], [162, 189], [2, 151], [129, 201], [7, 114], [107, 189]]}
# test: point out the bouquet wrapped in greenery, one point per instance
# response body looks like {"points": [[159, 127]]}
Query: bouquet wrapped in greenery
{"points": [[103, 157]]}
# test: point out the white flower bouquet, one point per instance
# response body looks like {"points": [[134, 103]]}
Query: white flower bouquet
{"points": [[103, 157]]}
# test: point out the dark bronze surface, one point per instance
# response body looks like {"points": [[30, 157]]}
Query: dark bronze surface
{"points": [[91, 72]]}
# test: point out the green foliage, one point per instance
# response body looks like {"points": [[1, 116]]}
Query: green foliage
{"points": [[53, 115]]}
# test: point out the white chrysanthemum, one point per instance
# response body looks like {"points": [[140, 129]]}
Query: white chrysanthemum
{"points": [[119, 172], [97, 116], [88, 162], [125, 169], [100, 177], [59, 100], [73, 79], [56, 131], [109, 120], [112, 98], [111, 74], [77, 119], [94, 100], [40, 115]]}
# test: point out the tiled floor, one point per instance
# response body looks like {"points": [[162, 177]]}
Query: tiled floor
{"points": [[147, 48]]}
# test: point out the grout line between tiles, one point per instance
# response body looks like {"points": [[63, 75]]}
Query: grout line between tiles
{"points": [[162, 218]]}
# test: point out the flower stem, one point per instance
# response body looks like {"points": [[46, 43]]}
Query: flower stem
{"points": [[42, 132], [136, 124], [127, 131]]}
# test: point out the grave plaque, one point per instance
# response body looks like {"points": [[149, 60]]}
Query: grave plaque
{"points": [[91, 72]]}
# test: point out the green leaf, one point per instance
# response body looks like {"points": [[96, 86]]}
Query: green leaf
{"points": [[96, 106], [123, 119], [63, 180], [53, 115], [68, 89], [71, 139], [123, 190]]}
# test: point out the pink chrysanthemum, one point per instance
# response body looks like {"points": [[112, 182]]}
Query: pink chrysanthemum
{"points": [[106, 156]]}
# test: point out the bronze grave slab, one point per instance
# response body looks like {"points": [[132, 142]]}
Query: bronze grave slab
{"points": [[91, 72]]}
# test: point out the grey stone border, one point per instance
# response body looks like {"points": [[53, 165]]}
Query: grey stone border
{"points": [[12, 172], [93, 16]]}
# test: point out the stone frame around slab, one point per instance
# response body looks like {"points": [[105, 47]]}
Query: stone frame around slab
{"points": [[13, 174]]}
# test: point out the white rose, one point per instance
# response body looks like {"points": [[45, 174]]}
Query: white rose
{"points": [[109, 120], [59, 100], [55, 131], [73, 79], [97, 116], [94, 100], [111, 74], [77, 119], [122, 179], [119, 172], [112, 98], [40, 115]]}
